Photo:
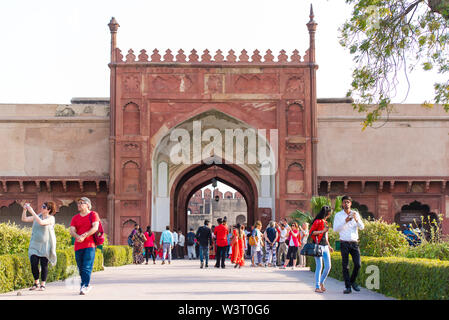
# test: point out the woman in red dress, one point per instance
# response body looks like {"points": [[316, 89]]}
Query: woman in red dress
{"points": [[238, 246]]}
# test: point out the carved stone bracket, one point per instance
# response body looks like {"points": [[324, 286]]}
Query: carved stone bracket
{"points": [[47, 182], [427, 186], [38, 185], [391, 186], [381, 186], [363, 186], [409, 186]]}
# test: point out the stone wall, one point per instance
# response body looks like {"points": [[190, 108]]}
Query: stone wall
{"points": [[413, 141], [54, 140]]}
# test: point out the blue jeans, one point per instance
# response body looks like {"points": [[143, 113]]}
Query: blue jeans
{"points": [[204, 254], [85, 261], [320, 278]]}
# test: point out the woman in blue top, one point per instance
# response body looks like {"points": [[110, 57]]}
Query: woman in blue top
{"points": [[42, 247]]}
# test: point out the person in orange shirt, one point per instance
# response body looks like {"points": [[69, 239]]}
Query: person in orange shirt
{"points": [[221, 238]]}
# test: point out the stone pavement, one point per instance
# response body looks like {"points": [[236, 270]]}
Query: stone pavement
{"points": [[184, 280]]}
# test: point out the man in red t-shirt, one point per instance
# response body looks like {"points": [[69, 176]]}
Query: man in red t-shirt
{"points": [[82, 228], [221, 236]]}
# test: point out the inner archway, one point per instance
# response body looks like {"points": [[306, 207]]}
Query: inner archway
{"points": [[216, 200], [198, 176]]}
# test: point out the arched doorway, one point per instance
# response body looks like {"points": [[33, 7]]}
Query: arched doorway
{"points": [[174, 182], [419, 216], [198, 176], [216, 200], [363, 210]]}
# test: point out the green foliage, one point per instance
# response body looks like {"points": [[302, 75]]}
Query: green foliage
{"points": [[316, 203], [300, 217], [15, 269], [393, 36], [115, 256], [13, 238], [429, 250], [381, 239], [63, 237], [6, 273], [401, 278]]}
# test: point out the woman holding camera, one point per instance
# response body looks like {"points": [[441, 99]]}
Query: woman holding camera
{"points": [[319, 234], [42, 247]]}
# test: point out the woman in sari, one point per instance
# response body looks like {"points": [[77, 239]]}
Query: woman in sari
{"points": [[138, 245], [238, 246]]}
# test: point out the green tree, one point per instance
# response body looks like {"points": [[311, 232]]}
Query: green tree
{"points": [[389, 37]]}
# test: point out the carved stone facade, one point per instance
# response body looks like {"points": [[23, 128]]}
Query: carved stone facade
{"points": [[153, 95], [117, 152]]}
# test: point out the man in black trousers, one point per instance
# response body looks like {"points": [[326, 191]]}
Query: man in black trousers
{"points": [[347, 222]]}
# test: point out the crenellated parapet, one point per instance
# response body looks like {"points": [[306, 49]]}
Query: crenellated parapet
{"points": [[219, 58], [169, 57]]}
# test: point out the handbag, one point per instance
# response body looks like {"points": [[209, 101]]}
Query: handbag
{"points": [[311, 248], [99, 235]]}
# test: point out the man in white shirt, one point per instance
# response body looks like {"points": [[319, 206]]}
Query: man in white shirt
{"points": [[175, 244], [181, 242], [347, 222]]}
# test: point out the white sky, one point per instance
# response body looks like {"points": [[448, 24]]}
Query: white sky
{"points": [[54, 50]]}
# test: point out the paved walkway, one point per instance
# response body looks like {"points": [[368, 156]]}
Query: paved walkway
{"points": [[184, 280]]}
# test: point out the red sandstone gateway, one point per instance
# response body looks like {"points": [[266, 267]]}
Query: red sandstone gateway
{"points": [[167, 106], [154, 93]]}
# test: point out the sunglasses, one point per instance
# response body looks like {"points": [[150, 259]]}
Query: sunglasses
{"points": [[82, 202], [44, 206]]}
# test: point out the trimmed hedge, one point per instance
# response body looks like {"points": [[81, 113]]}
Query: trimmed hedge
{"points": [[15, 269], [401, 278], [115, 256]]}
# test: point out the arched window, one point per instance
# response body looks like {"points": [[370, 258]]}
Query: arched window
{"points": [[131, 119]]}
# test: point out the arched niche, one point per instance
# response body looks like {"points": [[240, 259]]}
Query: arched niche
{"points": [[131, 119], [295, 120], [131, 177], [295, 178]]}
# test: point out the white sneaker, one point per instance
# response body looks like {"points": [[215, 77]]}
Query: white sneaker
{"points": [[85, 290]]}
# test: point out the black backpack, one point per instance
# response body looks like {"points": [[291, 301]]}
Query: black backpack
{"points": [[190, 239], [130, 239]]}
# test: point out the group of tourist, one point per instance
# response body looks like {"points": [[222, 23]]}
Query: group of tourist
{"points": [[42, 247], [281, 242]]}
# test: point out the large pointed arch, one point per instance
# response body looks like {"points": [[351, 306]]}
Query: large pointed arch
{"points": [[198, 176]]}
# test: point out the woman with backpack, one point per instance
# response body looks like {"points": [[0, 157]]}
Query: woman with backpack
{"points": [[256, 242], [149, 245], [42, 248], [294, 242], [319, 234]]}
